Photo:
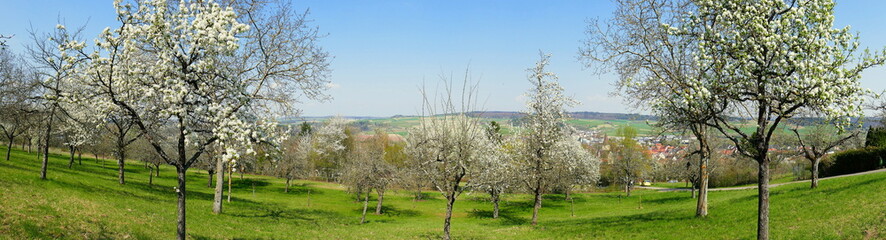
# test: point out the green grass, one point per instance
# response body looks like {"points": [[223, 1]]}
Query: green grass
{"points": [[86, 203]]}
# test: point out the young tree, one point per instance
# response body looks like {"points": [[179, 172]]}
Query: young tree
{"points": [[576, 168], [55, 55], [628, 159], [656, 70], [818, 141], [447, 144], [332, 142], [545, 129], [368, 170], [16, 90], [769, 59], [496, 174], [293, 162]]}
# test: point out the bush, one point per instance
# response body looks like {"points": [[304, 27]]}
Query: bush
{"points": [[876, 137], [733, 172], [855, 160]]}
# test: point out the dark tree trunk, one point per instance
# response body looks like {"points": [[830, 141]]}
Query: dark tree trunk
{"points": [[157, 166], [536, 206], [209, 183], [121, 164], [381, 197], [181, 202], [9, 149], [365, 206], [450, 201], [46, 143], [763, 200], [151, 176], [219, 186], [71, 162], [815, 173], [79, 156], [40, 154]]}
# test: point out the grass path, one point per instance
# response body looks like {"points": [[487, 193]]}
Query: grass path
{"points": [[665, 189]]}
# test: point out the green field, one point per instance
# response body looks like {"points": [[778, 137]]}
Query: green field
{"points": [[87, 203]]}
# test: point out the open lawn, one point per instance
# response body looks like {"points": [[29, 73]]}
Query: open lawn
{"points": [[87, 203]]}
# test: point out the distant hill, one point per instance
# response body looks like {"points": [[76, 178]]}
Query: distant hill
{"points": [[576, 115]]}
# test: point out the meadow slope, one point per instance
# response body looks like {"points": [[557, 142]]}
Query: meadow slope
{"points": [[86, 202]]}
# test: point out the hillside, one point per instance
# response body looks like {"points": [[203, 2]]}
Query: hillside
{"points": [[86, 203]]}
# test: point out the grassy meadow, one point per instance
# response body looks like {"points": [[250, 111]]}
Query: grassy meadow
{"points": [[86, 202]]}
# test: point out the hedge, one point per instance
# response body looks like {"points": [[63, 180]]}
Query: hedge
{"points": [[855, 160]]}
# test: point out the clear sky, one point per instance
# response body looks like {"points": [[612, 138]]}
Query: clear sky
{"points": [[384, 50]]}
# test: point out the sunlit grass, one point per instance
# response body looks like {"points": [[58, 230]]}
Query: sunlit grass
{"points": [[86, 202]]}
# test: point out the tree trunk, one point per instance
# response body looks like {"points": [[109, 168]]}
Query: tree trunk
{"points": [[450, 201], [701, 209], [763, 200], [365, 206], [536, 206], [71, 162], [151, 177], [495, 205], [121, 163], [230, 181], [287, 184], [815, 172], [572, 205], [181, 202], [79, 156], [9, 149], [219, 186], [40, 153], [381, 197], [46, 143], [309, 195], [627, 188], [209, 181], [157, 166]]}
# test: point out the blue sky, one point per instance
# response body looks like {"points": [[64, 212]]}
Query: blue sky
{"points": [[385, 50]]}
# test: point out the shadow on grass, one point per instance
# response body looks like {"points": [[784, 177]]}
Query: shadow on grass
{"points": [[506, 216], [391, 211], [275, 212], [617, 223], [668, 200]]}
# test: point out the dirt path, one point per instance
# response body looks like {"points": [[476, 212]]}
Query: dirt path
{"points": [[754, 187]]}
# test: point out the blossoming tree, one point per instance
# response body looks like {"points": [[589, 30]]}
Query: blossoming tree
{"points": [[179, 66], [770, 59], [447, 145]]}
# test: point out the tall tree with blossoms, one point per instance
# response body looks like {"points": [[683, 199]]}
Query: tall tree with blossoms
{"points": [[55, 55], [545, 129], [656, 70], [770, 59], [172, 64]]}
